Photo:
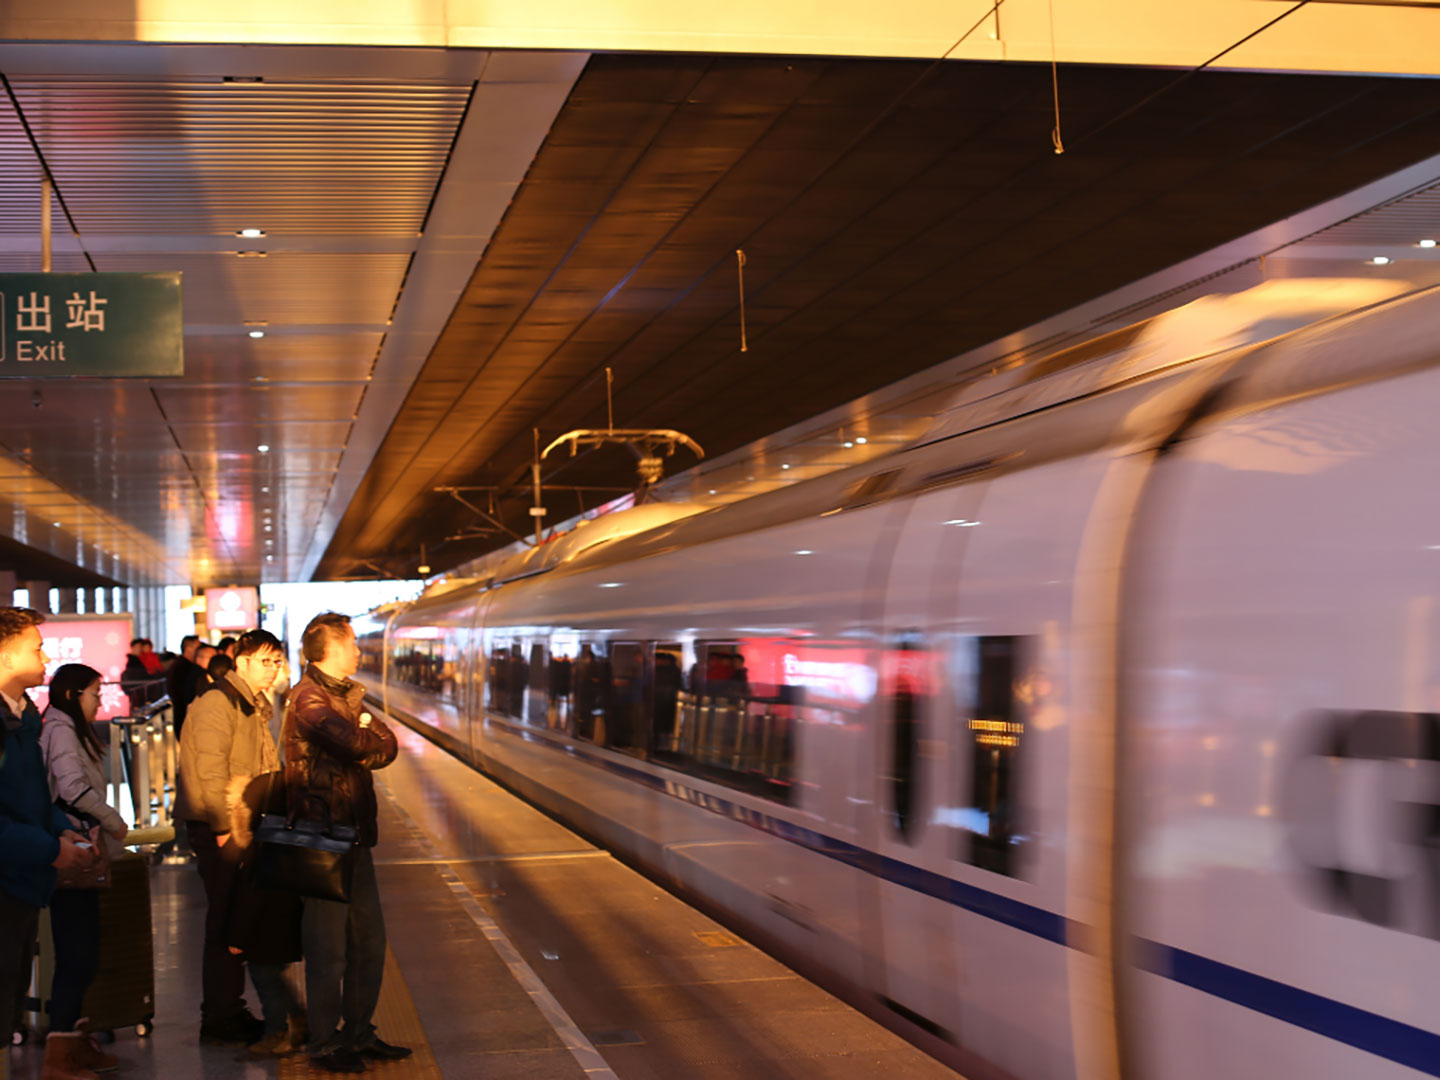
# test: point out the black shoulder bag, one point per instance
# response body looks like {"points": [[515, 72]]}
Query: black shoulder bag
{"points": [[300, 855]]}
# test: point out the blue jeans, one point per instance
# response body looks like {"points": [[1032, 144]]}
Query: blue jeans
{"points": [[344, 960], [278, 999]]}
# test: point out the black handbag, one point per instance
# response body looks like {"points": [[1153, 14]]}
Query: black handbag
{"points": [[301, 855]]}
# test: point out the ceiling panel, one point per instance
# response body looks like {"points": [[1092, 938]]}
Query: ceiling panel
{"points": [[199, 156], [883, 235], [158, 173]]}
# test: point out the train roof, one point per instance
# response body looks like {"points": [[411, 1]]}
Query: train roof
{"points": [[1008, 418]]}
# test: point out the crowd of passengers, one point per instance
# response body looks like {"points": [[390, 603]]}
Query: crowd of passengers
{"points": [[58, 837]]}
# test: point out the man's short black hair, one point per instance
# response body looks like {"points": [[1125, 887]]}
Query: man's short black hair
{"points": [[257, 641], [136, 641], [324, 628], [14, 621]]}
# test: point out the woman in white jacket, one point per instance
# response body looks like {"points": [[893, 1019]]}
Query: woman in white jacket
{"points": [[77, 783]]}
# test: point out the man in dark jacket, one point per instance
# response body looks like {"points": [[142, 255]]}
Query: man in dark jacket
{"points": [[331, 747], [181, 680], [36, 838]]}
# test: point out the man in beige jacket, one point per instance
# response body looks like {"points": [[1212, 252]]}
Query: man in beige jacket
{"points": [[226, 737]]}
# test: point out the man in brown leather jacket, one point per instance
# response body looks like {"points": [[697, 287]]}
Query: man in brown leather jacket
{"points": [[331, 746]]}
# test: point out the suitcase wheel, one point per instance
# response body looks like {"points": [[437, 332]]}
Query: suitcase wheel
{"points": [[145, 1028]]}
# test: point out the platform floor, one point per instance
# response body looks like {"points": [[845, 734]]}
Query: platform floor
{"points": [[519, 950]]}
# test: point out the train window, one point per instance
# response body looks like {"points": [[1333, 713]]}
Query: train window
{"points": [[537, 685], [590, 685], [625, 726], [499, 699], [905, 690], [561, 712], [669, 680], [997, 734], [725, 723]]}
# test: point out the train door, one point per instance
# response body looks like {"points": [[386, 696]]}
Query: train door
{"points": [[1015, 668], [1281, 688], [910, 770]]}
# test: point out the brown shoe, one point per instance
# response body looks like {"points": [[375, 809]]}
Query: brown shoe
{"points": [[90, 1055], [62, 1057]]}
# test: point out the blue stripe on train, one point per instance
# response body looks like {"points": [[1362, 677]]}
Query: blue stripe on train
{"points": [[1401, 1043], [1390, 1039]]}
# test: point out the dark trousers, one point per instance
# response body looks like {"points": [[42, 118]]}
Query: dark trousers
{"points": [[75, 929], [345, 959], [19, 924], [222, 972], [278, 999]]}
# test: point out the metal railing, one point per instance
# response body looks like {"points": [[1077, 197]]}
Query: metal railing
{"points": [[144, 751]]}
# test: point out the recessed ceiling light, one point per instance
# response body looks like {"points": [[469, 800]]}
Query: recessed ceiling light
{"points": [[264, 448], [1380, 260], [250, 232], [784, 466], [269, 528], [860, 440], [848, 444], [257, 333], [269, 558], [804, 551], [265, 491], [712, 491], [56, 524], [1427, 243], [610, 585]]}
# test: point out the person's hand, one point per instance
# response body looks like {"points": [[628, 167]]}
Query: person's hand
{"points": [[75, 836], [73, 857], [224, 839], [120, 833]]}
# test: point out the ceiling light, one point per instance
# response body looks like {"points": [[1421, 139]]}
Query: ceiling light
{"points": [[848, 444], [251, 254], [1380, 260], [712, 491], [1427, 243], [265, 491], [257, 333], [264, 448], [56, 524], [784, 466], [423, 569], [804, 551], [251, 233], [269, 558], [860, 440], [269, 528], [610, 584]]}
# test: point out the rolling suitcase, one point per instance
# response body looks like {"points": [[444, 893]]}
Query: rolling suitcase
{"points": [[123, 993]]}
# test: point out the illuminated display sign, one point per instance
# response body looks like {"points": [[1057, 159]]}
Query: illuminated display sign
{"points": [[98, 641], [233, 608]]}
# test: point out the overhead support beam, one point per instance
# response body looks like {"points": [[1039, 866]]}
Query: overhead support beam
{"points": [[1327, 35]]}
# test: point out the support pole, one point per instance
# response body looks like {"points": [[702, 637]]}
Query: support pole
{"points": [[538, 508], [45, 224]]}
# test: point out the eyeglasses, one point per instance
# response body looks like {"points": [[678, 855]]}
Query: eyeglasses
{"points": [[277, 664], [90, 693]]}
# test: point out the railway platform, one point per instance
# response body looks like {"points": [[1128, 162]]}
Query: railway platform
{"points": [[519, 950]]}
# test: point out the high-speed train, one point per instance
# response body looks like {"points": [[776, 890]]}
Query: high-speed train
{"points": [[1094, 735]]}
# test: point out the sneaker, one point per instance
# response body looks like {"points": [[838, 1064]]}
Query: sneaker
{"points": [[339, 1061], [242, 1029], [377, 1048]]}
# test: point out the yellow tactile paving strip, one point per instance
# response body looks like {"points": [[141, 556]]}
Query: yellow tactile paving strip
{"points": [[397, 1022]]}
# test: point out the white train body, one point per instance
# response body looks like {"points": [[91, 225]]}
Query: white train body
{"points": [[1090, 737]]}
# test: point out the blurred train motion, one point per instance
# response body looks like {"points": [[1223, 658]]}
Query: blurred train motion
{"points": [[1091, 735]]}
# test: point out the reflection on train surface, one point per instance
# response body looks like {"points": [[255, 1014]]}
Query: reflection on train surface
{"points": [[1082, 738]]}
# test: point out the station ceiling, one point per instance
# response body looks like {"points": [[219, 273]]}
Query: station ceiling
{"points": [[458, 243]]}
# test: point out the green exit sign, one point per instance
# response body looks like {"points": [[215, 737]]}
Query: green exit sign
{"points": [[62, 325]]}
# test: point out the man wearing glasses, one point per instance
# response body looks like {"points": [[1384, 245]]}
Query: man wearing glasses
{"points": [[227, 739]]}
